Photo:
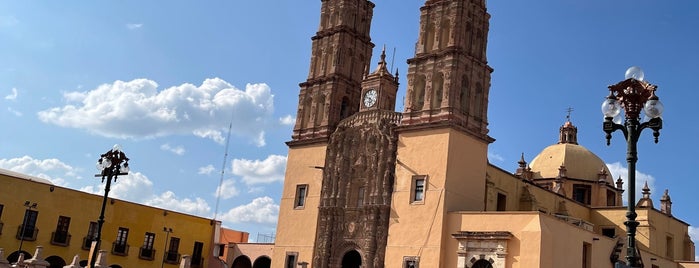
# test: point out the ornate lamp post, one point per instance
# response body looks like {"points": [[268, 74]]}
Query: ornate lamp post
{"points": [[111, 164], [632, 95]]}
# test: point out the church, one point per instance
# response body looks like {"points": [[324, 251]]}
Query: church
{"points": [[368, 186]]}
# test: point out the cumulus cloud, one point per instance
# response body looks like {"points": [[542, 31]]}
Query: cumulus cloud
{"points": [[51, 169], [226, 190], [618, 170], [207, 170], [13, 95], [15, 112], [134, 26], [287, 120], [262, 210], [258, 172], [495, 157], [138, 109], [169, 200], [178, 150]]}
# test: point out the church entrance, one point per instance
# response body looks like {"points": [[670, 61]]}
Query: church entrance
{"points": [[482, 264], [352, 259]]}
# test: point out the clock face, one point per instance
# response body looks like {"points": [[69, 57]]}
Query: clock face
{"points": [[370, 98]]}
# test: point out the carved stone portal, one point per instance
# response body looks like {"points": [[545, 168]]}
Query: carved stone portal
{"points": [[476, 247], [356, 193]]}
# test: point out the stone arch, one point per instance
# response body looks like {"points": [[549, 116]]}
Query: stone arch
{"points": [[241, 261], [478, 102], [12, 258], [465, 94], [83, 263], [351, 259], [444, 33], [55, 262], [482, 264], [419, 92], [115, 266], [437, 90], [262, 262]]}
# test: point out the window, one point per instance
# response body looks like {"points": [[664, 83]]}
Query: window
{"points": [[172, 256], [418, 192], [669, 247], [301, 192], [120, 246], [581, 193], [502, 202], [410, 262], [196, 254], [91, 234], [147, 252], [360, 196], [28, 230], [586, 255], [609, 232], [611, 198], [61, 235], [1, 224], [1, 207], [290, 261]]}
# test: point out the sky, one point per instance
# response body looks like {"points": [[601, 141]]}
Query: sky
{"points": [[165, 81]]}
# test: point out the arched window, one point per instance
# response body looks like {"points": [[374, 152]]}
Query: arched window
{"points": [[478, 102], [429, 37], [444, 32], [437, 90], [465, 95], [307, 106], [344, 108], [419, 93], [320, 110]]}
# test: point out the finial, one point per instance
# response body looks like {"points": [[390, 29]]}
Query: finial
{"points": [[645, 187], [521, 161], [569, 111]]}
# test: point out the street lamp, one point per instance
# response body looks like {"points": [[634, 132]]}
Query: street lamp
{"points": [[110, 165], [165, 250], [29, 205], [632, 95]]}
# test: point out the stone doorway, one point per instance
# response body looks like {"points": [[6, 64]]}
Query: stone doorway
{"points": [[352, 259]]}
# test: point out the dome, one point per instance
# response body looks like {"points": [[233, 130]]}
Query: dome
{"points": [[580, 163]]}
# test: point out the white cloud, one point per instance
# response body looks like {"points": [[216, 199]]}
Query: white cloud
{"points": [[207, 170], [178, 150], [694, 234], [262, 210], [287, 120], [134, 26], [136, 187], [138, 109], [15, 112], [52, 169], [13, 95], [227, 190], [495, 157], [256, 172], [618, 170]]}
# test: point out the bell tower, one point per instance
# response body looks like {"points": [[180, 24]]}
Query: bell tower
{"points": [[340, 54], [379, 88], [449, 77]]}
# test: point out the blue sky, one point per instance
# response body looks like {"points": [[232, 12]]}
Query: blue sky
{"points": [[165, 81]]}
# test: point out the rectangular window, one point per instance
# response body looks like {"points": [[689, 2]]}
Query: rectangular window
{"points": [[581, 193], [91, 234], [502, 202], [28, 228], [410, 262], [120, 246], [1, 207], [301, 192], [609, 232], [611, 198], [61, 236], [196, 254], [172, 255], [147, 252], [669, 247], [360, 196], [587, 255], [418, 191], [290, 261]]}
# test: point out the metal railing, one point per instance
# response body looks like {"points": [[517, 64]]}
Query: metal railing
{"points": [[146, 253], [121, 249], [60, 238], [27, 234]]}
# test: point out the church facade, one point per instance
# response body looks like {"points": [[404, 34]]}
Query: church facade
{"points": [[367, 186]]}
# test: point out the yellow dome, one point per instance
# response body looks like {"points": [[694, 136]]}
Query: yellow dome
{"points": [[579, 162]]}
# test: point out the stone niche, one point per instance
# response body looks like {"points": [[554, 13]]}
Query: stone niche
{"points": [[477, 246]]}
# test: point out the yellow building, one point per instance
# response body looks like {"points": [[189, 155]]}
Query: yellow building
{"points": [[34, 212], [366, 186]]}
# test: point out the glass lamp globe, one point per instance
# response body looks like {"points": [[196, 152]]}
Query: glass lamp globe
{"points": [[617, 119], [653, 108], [116, 148], [125, 168], [634, 72], [610, 108], [106, 163]]}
